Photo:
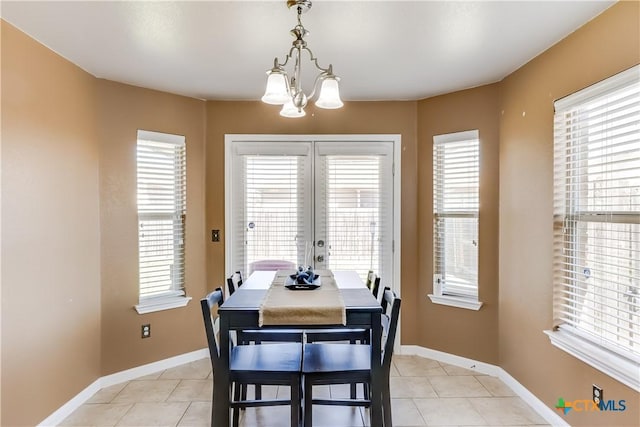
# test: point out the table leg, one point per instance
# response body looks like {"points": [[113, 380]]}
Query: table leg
{"points": [[221, 385], [376, 371]]}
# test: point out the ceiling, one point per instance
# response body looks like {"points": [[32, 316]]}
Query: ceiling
{"points": [[382, 50]]}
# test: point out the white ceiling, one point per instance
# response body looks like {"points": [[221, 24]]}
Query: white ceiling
{"points": [[382, 50]]}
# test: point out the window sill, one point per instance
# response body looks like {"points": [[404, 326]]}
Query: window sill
{"points": [[616, 366], [161, 303], [459, 302]]}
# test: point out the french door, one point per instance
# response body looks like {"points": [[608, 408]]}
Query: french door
{"points": [[327, 203]]}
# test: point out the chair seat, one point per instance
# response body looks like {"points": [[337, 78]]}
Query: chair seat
{"points": [[279, 358], [329, 357]]}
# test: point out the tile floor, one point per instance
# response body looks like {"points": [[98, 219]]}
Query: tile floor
{"points": [[424, 393]]}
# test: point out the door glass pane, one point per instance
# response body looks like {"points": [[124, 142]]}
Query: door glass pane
{"points": [[350, 214], [273, 211]]}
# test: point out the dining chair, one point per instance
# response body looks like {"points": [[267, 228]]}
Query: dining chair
{"points": [[373, 283], [354, 336], [259, 336], [269, 364], [234, 282], [332, 363]]}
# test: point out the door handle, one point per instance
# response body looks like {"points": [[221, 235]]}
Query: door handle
{"points": [[320, 258]]}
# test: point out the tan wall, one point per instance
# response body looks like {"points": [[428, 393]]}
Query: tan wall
{"points": [[607, 45], [355, 118], [122, 110], [468, 333], [50, 224]]}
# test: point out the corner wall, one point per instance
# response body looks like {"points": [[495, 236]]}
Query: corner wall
{"points": [[605, 46], [467, 333], [50, 231], [122, 110]]}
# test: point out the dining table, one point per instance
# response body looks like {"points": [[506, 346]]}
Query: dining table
{"points": [[242, 310]]}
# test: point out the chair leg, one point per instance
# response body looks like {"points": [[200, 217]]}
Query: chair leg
{"points": [[295, 401], [308, 403], [237, 388], [236, 417], [213, 415], [258, 391], [258, 388], [352, 386], [301, 410], [243, 391], [386, 405]]}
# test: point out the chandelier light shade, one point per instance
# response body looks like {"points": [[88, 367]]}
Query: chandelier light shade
{"points": [[286, 90], [329, 94], [291, 111], [276, 92]]}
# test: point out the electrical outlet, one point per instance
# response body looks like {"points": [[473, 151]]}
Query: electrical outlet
{"points": [[215, 235], [146, 331], [597, 394]]}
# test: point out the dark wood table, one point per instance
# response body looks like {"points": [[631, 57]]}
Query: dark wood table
{"points": [[241, 311]]}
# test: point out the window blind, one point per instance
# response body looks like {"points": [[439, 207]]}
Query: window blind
{"points": [[597, 214], [352, 214], [456, 169], [161, 197], [271, 188]]}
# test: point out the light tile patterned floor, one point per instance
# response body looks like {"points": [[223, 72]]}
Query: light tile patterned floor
{"points": [[424, 393]]}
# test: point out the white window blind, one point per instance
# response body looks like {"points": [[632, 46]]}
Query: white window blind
{"points": [[161, 195], [352, 214], [456, 169], [270, 190], [597, 216]]}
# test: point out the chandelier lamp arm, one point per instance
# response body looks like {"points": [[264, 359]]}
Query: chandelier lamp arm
{"points": [[281, 65], [282, 90], [326, 73]]}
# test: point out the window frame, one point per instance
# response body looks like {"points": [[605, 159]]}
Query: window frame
{"points": [[175, 296], [569, 213], [452, 295]]}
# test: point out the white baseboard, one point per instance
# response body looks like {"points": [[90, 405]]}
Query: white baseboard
{"points": [[488, 369], [65, 410], [452, 359], [536, 404], [150, 368], [119, 377]]}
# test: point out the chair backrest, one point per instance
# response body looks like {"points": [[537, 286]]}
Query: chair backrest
{"points": [[375, 287], [373, 283], [391, 308], [214, 299], [234, 282]]}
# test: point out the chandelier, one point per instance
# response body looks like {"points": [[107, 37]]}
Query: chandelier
{"points": [[287, 91]]}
